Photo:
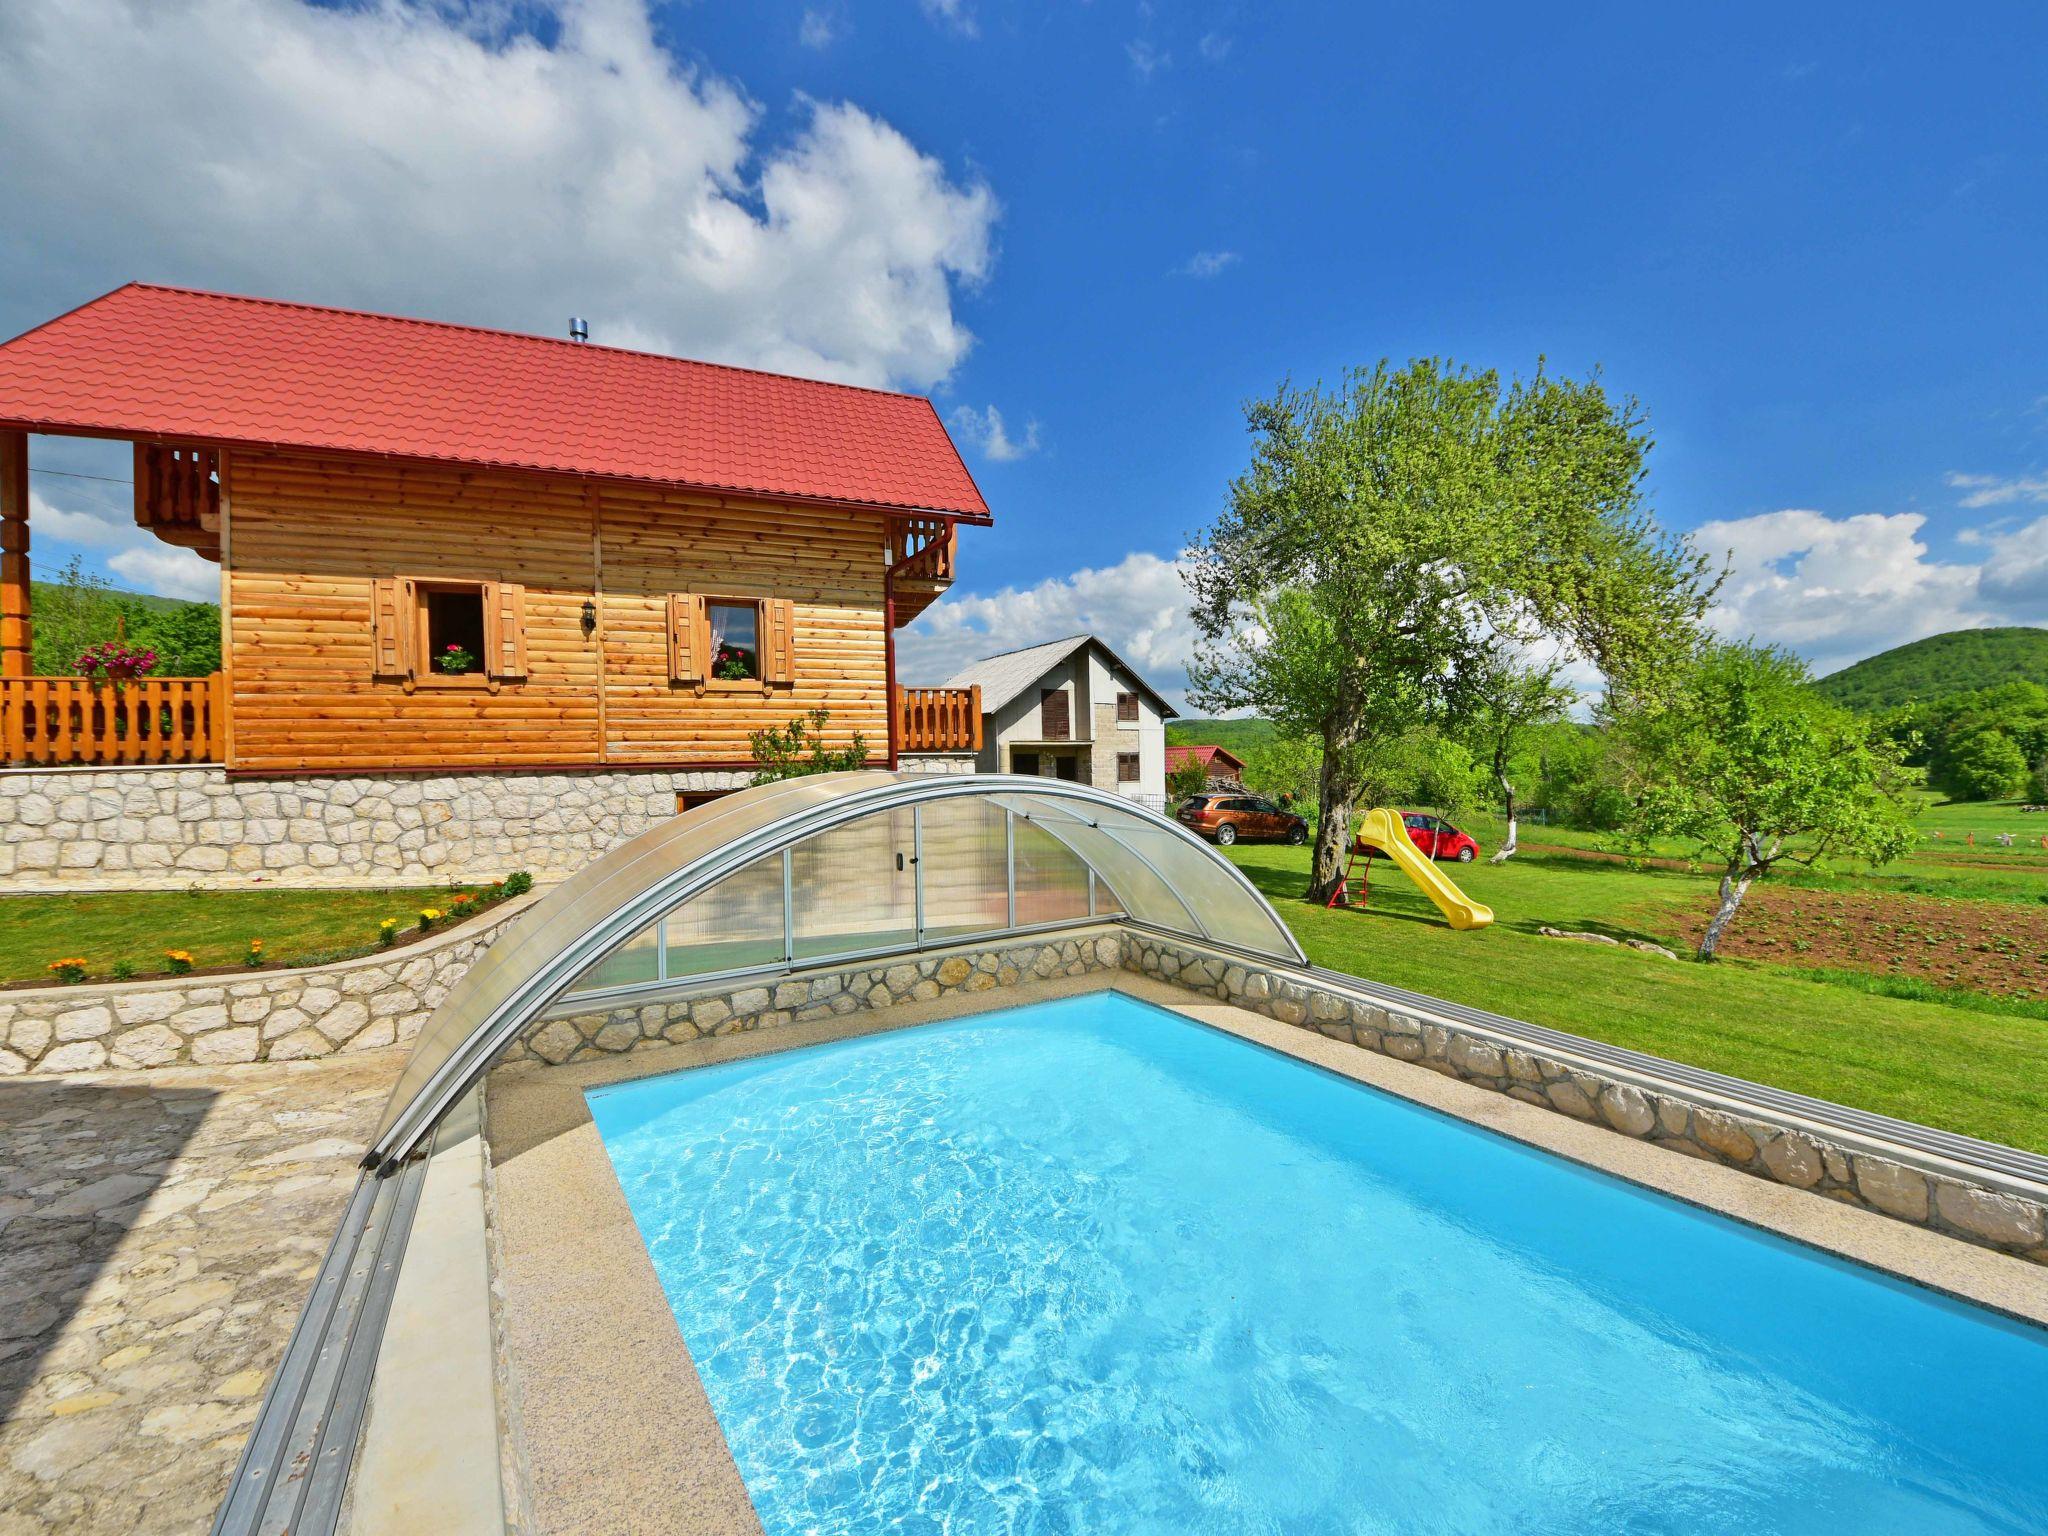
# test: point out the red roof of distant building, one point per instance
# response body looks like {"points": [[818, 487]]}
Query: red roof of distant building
{"points": [[146, 361], [1208, 757]]}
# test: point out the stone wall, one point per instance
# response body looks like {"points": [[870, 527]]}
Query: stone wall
{"points": [[286, 1015], [935, 762], [76, 829], [763, 1002], [1940, 1196]]}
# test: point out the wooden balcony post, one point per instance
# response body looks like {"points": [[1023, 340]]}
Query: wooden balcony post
{"points": [[16, 648]]}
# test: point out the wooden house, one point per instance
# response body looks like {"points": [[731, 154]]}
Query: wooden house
{"points": [[458, 550]]}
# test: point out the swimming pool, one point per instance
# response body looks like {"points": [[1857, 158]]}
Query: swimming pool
{"points": [[1088, 1266]]}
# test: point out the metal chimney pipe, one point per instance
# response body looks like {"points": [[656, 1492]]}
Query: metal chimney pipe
{"points": [[579, 330]]}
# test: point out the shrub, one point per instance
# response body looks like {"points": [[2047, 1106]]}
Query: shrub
{"points": [[1986, 766], [178, 961], [69, 971], [428, 917], [387, 931], [122, 970], [518, 883]]}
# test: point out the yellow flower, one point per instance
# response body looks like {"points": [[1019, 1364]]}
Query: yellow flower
{"points": [[430, 913], [255, 945], [389, 922], [177, 954]]}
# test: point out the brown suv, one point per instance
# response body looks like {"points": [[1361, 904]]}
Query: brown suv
{"points": [[1226, 818]]}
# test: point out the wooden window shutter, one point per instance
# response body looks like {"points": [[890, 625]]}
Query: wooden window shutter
{"points": [[504, 629], [779, 615], [392, 604], [687, 637]]}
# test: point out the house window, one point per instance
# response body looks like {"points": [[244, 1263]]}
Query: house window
{"points": [[1025, 763], [1054, 723], [1127, 767], [735, 640], [1127, 709], [451, 618]]}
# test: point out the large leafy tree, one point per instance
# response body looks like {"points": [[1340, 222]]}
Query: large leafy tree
{"points": [[1388, 533], [1741, 756]]}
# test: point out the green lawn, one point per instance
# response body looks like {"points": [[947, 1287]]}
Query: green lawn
{"points": [[215, 927], [1984, 1073]]}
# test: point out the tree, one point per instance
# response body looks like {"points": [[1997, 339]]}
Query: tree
{"points": [[1513, 696], [1742, 757], [185, 637], [1190, 778], [796, 749], [1386, 532], [1986, 765], [1285, 769]]}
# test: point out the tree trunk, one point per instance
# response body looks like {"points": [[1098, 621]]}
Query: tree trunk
{"points": [[1734, 887], [1336, 797], [1507, 848]]}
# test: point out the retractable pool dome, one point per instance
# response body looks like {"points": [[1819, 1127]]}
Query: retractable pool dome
{"points": [[806, 871]]}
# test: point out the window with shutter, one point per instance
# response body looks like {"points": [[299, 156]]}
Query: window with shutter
{"points": [[391, 623], [1127, 709], [1053, 719], [686, 638], [1127, 767], [504, 630]]}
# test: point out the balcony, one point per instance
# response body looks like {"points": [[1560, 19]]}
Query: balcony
{"points": [[77, 722], [921, 558], [938, 719]]}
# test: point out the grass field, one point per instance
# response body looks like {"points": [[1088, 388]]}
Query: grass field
{"points": [[1979, 1065], [215, 927]]}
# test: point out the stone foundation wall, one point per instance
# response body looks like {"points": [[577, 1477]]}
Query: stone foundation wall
{"points": [[288, 1015], [1839, 1169], [935, 762], [764, 1002], [75, 829]]}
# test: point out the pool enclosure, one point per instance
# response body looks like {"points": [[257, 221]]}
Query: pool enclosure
{"points": [[820, 870]]}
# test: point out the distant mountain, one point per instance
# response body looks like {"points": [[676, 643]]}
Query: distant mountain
{"points": [[1960, 661], [45, 591], [1238, 737]]}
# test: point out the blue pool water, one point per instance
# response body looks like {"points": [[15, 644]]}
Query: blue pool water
{"points": [[1089, 1267]]}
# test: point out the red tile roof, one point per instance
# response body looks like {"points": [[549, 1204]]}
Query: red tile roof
{"points": [[147, 361], [1208, 757]]}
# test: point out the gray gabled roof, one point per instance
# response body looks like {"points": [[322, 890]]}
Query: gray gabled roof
{"points": [[1001, 678]]}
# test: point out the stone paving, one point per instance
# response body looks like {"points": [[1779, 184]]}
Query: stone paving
{"points": [[158, 1233]]}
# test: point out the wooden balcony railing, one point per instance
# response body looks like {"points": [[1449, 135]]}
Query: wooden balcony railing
{"points": [[68, 721], [923, 548], [938, 719]]}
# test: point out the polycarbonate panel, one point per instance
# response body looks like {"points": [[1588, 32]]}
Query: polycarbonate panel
{"points": [[854, 890], [855, 887], [632, 964], [1052, 882], [964, 863], [735, 925]]}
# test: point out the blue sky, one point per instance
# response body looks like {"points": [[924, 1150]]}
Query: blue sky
{"points": [[1809, 239]]}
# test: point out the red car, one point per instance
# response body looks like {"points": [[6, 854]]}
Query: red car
{"points": [[1438, 838]]}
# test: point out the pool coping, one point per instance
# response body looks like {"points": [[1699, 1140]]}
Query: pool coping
{"points": [[617, 1449]]}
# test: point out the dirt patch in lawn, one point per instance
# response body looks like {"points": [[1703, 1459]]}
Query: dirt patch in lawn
{"points": [[1987, 946]]}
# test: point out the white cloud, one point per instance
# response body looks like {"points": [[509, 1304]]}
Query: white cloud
{"points": [[168, 571], [1214, 47], [1997, 490], [987, 431], [1146, 60], [434, 160], [955, 16], [1138, 607], [89, 529], [1207, 264], [1835, 589], [820, 27]]}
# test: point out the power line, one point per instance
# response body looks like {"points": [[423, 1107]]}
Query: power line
{"points": [[72, 474]]}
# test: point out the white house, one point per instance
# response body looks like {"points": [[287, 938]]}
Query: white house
{"points": [[1072, 709]]}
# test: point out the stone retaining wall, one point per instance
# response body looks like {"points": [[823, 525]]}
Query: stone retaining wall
{"points": [[763, 1002], [287, 1015], [140, 829], [1936, 1196], [137, 829]]}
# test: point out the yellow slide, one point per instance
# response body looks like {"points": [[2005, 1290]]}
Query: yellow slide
{"points": [[1382, 831]]}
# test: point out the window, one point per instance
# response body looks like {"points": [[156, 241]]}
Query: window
{"points": [[1024, 762], [1127, 767], [1126, 709], [735, 641], [731, 643], [1053, 719], [452, 622], [429, 631]]}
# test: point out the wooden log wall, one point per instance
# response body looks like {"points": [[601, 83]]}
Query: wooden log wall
{"points": [[309, 534]]}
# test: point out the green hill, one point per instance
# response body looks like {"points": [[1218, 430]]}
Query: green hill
{"points": [[1960, 661], [40, 592], [1241, 737]]}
